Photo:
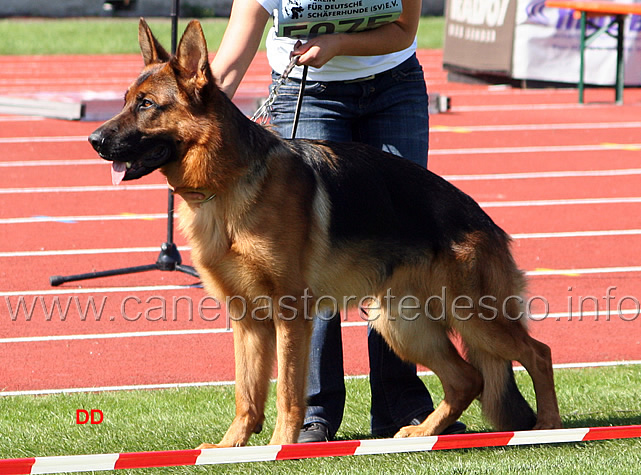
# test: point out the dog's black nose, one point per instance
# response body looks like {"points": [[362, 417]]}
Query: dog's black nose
{"points": [[96, 139]]}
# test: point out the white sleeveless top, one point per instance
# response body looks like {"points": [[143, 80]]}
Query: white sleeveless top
{"points": [[339, 68]]}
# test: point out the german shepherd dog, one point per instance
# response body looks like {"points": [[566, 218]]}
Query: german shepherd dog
{"points": [[289, 225]]}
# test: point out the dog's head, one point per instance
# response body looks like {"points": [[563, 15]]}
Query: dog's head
{"points": [[155, 127]]}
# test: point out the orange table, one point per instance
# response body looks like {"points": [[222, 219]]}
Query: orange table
{"points": [[588, 9]]}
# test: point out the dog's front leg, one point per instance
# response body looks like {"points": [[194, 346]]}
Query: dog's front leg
{"points": [[292, 347], [254, 358]]}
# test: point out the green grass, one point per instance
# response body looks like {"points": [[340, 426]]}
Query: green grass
{"points": [[116, 36], [183, 418]]}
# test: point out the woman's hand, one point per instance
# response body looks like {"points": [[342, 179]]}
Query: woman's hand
{"points": [[319, 50]]}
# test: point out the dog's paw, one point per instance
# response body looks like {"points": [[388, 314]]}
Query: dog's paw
{"points": [[207, 446], [411, 431], [548, 424]]}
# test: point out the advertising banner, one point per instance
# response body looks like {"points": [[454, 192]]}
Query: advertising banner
{"points": [[546, 47], [307, 18], [479, 35]]}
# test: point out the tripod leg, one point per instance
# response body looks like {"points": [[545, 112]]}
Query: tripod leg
{"points": [[187, 270], [59, 279]]}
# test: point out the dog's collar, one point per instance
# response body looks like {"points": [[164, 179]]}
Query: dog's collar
{"points": [[196, 196]]}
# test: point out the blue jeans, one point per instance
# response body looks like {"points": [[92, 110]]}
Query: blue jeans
{"points": [[390, 112]]}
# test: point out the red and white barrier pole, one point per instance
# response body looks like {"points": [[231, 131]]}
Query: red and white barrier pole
{"points": [[86, 463]]}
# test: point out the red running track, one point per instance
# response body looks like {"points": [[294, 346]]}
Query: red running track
{"points": [[561, 178]]}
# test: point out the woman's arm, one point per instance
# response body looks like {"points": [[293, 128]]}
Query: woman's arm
{"points": [[385, 39], [239, 44]]}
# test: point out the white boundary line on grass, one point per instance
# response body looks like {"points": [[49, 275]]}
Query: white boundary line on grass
{"points": [[41, 392]]}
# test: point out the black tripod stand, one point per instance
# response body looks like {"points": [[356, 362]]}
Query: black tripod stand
{"points": [[169, 258]]}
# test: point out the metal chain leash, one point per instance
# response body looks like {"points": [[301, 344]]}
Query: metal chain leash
{"points": [[262, 114]]}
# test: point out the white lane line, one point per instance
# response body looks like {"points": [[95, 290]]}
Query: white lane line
{"points": [[96, 290], [563, 202], [487, 204], [454, 178], [529, 149], [52, 163], [74, 219], [551, 174], [586, 271], [527, 107], [18, 118], [83, 252], [576, 316], [111, 336], [575, 234], [81, 189], [129, 250], [101, 290], [532, 127], [635, 147], [53, 138], [481, 177], [38, 392], [132, 290]]}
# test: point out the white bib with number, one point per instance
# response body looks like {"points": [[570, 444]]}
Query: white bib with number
{"points": [[308, 18], [294, 19]]}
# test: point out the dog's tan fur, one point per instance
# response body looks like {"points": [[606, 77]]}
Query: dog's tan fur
{"points": [[273, 221]]}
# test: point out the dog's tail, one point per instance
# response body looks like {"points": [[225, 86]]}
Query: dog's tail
{"points": [[503, 404]]}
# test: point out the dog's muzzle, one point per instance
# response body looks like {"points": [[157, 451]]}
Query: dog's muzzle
{"points": [[97, 141]]}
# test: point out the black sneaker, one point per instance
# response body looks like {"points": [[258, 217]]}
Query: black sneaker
{"points": [[314, 432], [456, 428]]}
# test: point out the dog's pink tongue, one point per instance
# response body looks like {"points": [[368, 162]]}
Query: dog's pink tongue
{"points": [[118, 170]]}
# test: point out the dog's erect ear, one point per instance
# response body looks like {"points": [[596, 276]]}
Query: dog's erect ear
{"points": [[191, 54], [152, 51]]}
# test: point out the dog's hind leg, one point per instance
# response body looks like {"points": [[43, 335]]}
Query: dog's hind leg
{"points": [[254, 359], [292, 347], [461, 385], [426, 342], [536, 359], [501, 400]]}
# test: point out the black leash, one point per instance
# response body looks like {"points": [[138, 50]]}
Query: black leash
{"points": [[299, 102]]}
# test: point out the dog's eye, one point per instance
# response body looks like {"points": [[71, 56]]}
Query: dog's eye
{"points": [[145, 104]]}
